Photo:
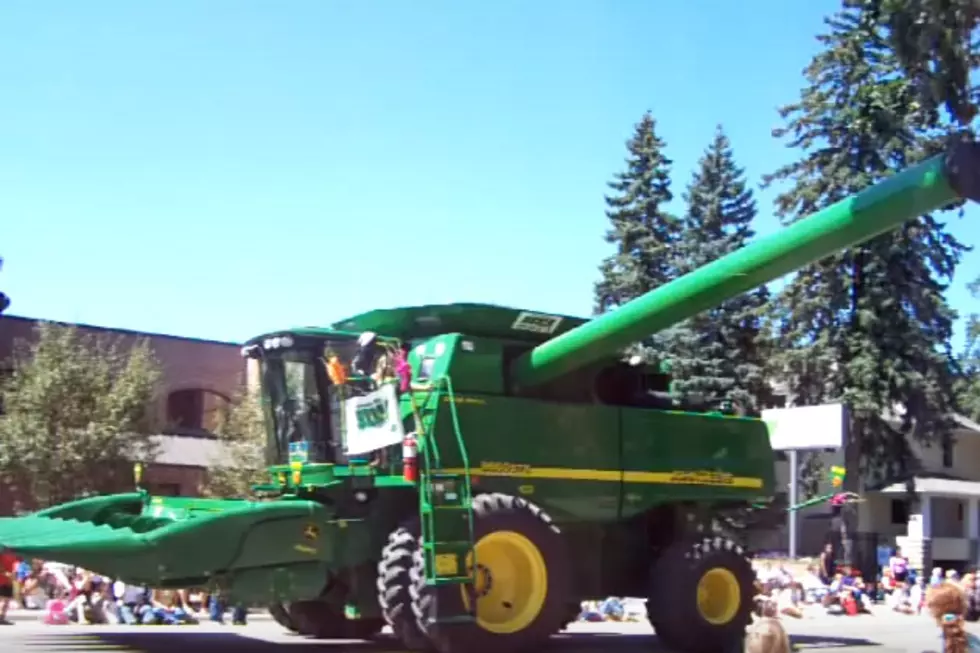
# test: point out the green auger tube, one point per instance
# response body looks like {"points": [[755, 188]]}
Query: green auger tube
{"points": [[259, 550], [931, 185]]}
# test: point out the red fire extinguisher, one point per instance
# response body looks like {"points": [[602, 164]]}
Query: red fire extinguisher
{"points": [[410, 458]]}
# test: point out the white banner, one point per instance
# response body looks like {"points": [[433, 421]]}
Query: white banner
{"points": [[372, 421]]}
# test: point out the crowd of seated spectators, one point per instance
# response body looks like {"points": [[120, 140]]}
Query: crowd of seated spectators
{"points": [[63, 594]]}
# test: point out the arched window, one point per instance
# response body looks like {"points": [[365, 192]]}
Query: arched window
{"points": [[194, 409]]}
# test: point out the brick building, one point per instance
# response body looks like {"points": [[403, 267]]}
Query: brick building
{"points": [[198, 377]]}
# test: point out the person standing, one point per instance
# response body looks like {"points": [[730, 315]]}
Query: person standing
{"points": [[899, 566], [826, 569], [8, 568], [218, 605]]}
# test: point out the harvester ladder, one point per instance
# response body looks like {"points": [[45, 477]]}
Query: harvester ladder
{"points": [[445, 499]]}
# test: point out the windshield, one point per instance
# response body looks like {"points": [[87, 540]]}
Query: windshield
{"points": [[291, 381]]}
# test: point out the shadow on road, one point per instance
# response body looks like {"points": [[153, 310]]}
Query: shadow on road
{"points": [[186, 640], [824, 641], [583, 642]]}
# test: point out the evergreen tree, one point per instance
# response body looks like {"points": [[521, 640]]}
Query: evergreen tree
{"points": [[642, 230], [718, 356], [937, 43], [869, 326], [968, 385]]}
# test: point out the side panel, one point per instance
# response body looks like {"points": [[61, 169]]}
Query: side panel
{"points": [[673, 456], [564, 457]]}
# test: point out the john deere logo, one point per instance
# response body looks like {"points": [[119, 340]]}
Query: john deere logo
{"points": [[372, 413], [311, 532]]}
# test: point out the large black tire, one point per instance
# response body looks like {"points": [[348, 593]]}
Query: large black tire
{"points": [[518, 551], [280, 614], [716, 621], [394, 592], [324, 621]]}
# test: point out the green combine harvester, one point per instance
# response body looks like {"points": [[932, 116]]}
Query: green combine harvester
{"points": [[468, 474]]}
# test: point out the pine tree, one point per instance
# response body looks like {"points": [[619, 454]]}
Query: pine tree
{"points": [[937, 43], [643, 232], [869, 326], [968, 384], [718, 356]]}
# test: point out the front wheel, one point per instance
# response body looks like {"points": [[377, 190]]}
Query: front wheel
{"points": [[521, 583], [280, 614], [701, 595], [394, 586]]}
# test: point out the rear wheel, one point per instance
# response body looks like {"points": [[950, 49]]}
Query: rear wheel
{"points": [[701, 595], [521, 583]]}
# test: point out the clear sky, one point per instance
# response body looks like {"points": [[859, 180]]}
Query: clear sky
{"points": [[223, 168]]}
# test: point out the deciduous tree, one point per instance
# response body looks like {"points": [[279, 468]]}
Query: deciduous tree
{"points": [[242, 463], [78, 412]]}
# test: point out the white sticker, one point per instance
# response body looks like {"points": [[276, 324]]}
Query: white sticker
{"points": [[467, 345], [536, 323]]}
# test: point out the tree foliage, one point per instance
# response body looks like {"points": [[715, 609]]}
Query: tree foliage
{"points": [[641, 229], [242, 434], [937, 43], [869, 326], [78, 412], [968, 385], [719, 354]]}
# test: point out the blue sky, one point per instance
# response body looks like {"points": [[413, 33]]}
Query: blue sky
{"points": [[219, 169]]}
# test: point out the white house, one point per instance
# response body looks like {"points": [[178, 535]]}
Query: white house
{"points": [[942, 527]]}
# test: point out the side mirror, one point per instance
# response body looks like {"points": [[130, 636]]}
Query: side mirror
{"points": [[251, 351]]}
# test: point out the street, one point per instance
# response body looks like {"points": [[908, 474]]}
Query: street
{"points": [[883, 633]]}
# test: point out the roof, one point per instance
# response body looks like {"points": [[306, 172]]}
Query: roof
{"points": [[487, 320], [936, 484], [114, 330], [966, 423], [471, 319]]}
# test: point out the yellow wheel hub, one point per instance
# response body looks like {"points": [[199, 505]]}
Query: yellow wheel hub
{"points": [[719, 596], [511, 582]]}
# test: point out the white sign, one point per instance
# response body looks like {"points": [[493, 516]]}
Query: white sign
{"points": [[806, 427], [536, 323], [372, 421]]}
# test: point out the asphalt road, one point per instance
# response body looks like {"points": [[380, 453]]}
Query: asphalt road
{"points": [[885, 633]]}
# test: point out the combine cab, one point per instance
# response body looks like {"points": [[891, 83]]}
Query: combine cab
{"points": [[468, 474]]}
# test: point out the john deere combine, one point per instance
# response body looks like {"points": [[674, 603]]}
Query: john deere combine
{"points": [[468, 474]]}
